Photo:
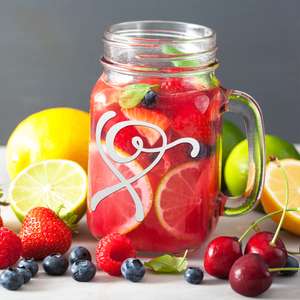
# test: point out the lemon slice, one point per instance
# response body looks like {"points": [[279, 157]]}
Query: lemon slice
{"points": [[50, 183], [274, 193]]}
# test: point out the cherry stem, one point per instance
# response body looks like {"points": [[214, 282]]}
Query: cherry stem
{"points": [[266, 216], [274, 159], [283, 269], [291, 252]]}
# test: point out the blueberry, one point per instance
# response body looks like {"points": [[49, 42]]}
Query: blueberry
{"points": [[83, 270], [132, 269], [55, 264], [193, 275], [205, 151], [237, 240], [31, 264], [11, 279], [79, 253], [150, 100], [290, 263], [26, 273]]}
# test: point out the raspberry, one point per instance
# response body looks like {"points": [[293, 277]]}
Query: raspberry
{"points": [[175, 86], [10, 248], [112, 250]]}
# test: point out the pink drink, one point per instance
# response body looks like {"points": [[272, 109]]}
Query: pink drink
{"points": [[164, 228], [155, 140]]}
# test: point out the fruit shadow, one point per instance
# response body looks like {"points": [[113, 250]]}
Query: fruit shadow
{"points": [[169, 277]]}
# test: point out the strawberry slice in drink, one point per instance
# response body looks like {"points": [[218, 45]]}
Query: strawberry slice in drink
{"points": [[148, 116], [191, 123]]}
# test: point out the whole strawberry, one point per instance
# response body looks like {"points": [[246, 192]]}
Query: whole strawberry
{"points": [[10, 248], [1, 222], [43, 232]]}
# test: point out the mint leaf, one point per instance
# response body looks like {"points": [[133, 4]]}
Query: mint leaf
{"points": [[133, 94], [202, 79], [169, 50], [168, 263]]}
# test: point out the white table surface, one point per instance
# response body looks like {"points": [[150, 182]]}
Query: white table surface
{"points": [[153, 285]]}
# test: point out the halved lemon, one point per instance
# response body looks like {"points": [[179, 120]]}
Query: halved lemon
{"points": [[274, 193], [49, 183]]}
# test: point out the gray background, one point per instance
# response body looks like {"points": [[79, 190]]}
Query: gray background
{"points": [[49, 52]]}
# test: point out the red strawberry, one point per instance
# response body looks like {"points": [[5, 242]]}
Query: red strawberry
{"points": [[10, 248], [148, 116], [1, 222], [43, 232], [112, 250], [195, 125]]}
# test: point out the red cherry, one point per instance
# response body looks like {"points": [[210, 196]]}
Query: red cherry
{"points": [[249, 275], [220, 255], [275, 256]]}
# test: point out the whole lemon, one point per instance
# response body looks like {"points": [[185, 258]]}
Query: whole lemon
{"points": [[236, 167], [55, 133]]}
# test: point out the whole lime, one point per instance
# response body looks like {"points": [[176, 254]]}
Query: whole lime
{"points": [[231, 136], [236, 167]]}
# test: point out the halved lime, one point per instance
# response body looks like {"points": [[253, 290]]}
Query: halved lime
{"points": [[50, 183]]}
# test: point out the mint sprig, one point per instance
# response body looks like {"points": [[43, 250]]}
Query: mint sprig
{"points": [[133, 94], [202, 79], [168, 263], [169, 50]]}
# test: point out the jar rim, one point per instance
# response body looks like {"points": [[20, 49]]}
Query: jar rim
{"points": [[159, 46], [135, 32]]}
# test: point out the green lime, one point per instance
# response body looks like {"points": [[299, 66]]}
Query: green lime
{"points": [[231, 136], [49, 183], [236, 167]]}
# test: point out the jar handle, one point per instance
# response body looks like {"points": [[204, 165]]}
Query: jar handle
{"points": [[247, 107]]}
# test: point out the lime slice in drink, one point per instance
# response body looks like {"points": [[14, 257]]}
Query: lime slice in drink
{"points": [[179, 205], [49, 183], [116, 212]]}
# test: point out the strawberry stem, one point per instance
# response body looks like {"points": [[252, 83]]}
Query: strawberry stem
{"points": [[275, 160], [68, 219]]}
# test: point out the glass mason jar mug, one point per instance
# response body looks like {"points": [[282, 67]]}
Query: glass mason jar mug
{"points": [[155, 139]]}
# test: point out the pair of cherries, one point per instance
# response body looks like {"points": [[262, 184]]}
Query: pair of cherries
{"points": [[248, 274], [265, 254]]}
